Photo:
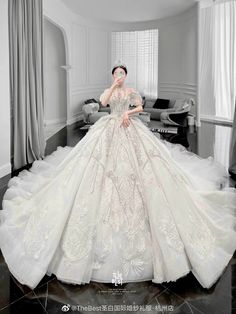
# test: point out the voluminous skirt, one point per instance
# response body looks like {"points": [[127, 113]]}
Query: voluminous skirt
{"points": [[121, 200]]}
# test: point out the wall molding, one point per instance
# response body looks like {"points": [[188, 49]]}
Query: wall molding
{"points": [[74, 35], [178, 88], [177, 92], [109, 65], [5, 169], [59, 24], [179, 85], [175, 83], [88, 30], [54, 121], [77, 117], [213, 119], [87, 89]]}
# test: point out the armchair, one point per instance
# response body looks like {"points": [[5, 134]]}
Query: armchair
{"points": [[91, 110], [177, 118]]}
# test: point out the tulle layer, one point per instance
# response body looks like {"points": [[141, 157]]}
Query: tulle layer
{"points": [[206, 173], [61, 215]]}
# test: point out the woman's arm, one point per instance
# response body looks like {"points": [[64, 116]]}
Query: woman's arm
{"points": [[137, 109], [106, 96], [126, 114], [136, 100]]}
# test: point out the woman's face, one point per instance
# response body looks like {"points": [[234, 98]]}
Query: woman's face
{"points": [[119, 73]]}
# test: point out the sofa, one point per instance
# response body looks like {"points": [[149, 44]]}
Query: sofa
{"points": [[169, 111], [93, 110]]}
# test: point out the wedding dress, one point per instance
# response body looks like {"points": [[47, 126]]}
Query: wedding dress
{"points": [[121, 200]]}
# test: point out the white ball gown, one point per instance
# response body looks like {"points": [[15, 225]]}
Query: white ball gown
{"points": [[120, 200]]}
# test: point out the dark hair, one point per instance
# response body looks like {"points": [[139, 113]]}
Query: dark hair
{"points": [[120, 66]]}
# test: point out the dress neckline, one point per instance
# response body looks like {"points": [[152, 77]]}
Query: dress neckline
{"points": [[125, 91], [120, 93]]}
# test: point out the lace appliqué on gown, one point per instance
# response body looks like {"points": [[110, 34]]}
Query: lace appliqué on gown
{"points": [[118, 200], [125, 212]]}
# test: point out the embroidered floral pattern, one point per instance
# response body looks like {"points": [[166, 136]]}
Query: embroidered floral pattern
{"points": [[167, 226], [79, 234], [118, 190]]}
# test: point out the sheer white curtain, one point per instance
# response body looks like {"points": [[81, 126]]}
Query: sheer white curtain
{"points": [[139, 51], [225, 58], [123, 47], [218, 60]]}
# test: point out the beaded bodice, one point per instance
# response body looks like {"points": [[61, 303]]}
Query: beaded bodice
{"points": [[121, 99]]}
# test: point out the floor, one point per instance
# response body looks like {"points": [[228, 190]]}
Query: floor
{"points": [[183, 296], [52, 129]]}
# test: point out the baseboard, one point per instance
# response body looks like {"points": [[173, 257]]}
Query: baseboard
{"points": [[54, 121], [5, 169], [56, 130], [75, 118]]}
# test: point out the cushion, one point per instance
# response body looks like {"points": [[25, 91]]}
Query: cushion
{"points": [[90, 108], [172, 103], [149, 103], [161, 103]]}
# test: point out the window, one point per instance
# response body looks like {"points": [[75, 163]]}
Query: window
{"points": [[139, 51]]}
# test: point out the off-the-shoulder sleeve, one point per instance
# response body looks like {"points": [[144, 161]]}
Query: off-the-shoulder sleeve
{"points": [[135, 98], [104, 94]]}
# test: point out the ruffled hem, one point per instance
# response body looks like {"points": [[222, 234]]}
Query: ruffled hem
{"points": [[204, 172], [208, 177], [28, 182]]}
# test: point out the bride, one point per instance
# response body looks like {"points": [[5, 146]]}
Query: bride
{"points": [[120, 201]]}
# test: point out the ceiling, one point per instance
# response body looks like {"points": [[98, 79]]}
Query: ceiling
{"points": [[128, 10]]}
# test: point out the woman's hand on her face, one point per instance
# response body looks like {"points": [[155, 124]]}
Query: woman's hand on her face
{"points": [[125, 120], [116, 82]]}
